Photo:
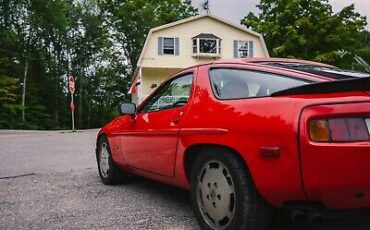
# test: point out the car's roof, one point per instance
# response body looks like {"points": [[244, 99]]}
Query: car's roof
{"points": [[308, 68], [311, 67], [260, 60], [273, 60], [257, 62]]}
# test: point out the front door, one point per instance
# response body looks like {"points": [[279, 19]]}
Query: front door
{"points": [[150, 143]]}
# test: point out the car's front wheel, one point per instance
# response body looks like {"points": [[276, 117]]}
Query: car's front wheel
{"points": [[108, 170], [223, 194]]}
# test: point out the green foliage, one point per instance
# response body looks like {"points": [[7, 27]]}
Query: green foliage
{"points": [[364, 50], [308, 29], [9, 108], [98, 42], [133, 19]]}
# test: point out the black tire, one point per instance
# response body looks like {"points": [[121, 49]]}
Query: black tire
{"points": [[112, 174], [243, 207]]}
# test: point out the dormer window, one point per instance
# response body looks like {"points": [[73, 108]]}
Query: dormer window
{"points": [[206, 45]]}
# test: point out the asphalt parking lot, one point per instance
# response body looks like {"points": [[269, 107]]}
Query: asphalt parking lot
{"points": [[49, 180]]}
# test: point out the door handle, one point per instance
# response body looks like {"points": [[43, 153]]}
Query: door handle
{"points": [[177, 119]]}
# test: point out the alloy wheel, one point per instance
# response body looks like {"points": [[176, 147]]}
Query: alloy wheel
{"points": [[104, 160], [216, 194]]}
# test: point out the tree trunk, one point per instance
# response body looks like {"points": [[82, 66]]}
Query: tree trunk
{"points": [[89, 114], [80, 98], [25, 73], [57, 81], [6, 4]]}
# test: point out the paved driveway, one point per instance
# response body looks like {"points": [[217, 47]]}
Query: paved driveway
{"points": [[48, 180]]}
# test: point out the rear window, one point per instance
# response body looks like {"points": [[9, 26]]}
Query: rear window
{"points": [[334, 73], [240, 83], [331, 72]]}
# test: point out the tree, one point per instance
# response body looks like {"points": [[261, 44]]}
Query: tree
{"points": [[307, 29], [8, 102], [88, 38], [133, 19], [42, 42], [50, 21], [364, 52]]}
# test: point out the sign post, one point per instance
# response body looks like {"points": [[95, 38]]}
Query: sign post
{"points": [[71, 81]]}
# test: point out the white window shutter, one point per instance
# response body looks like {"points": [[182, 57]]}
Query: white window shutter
{"points": [[177, 46], [160, 45], [251, 49], [235, 49]]}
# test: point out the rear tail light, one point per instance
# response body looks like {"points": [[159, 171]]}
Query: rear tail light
{"points": [[340, 130], [358, 130], [319, 131]]}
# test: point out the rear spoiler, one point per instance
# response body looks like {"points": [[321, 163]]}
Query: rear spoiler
{"points": [[360, 84]]}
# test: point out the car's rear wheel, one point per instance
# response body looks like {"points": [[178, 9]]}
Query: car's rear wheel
{"points": [[223, 194], [108, 170]]}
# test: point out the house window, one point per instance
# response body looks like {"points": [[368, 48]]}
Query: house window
{"points": [[195, 46], [206, 44], [243, 49], [168, 46]]}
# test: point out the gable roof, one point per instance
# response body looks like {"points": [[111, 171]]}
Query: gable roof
{"points": [[175, 23]]}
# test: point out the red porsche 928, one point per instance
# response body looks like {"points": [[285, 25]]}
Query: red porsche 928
{"points": [[246, 136]]}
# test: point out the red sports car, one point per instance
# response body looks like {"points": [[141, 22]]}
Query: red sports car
{"points": [[246, 136]]}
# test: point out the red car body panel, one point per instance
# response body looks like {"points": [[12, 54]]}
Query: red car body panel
{"points": [[154, 144], [337, 173]]}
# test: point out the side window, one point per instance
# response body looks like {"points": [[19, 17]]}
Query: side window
{"points": [[239, 83], [243, 49], [174, 94], [168, 46]]}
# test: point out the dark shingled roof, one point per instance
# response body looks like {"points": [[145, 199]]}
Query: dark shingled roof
{"points": [[206, 36]]}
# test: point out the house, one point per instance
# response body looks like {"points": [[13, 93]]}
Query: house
{"points": [[191, 41]]}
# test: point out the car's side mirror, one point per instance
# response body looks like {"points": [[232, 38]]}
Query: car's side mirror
{"points": [[128, 108]]}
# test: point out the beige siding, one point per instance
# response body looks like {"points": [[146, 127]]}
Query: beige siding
{"points": [[155, 68], [154, 76], [190, 29]]}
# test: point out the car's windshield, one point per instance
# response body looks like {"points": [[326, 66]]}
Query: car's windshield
{"points": [[331, 72]]}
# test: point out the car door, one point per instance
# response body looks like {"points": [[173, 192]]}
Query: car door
{"points": [[150, 143]]}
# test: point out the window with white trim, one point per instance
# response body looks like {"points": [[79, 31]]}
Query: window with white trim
{"points": [[243, 49], [207, 44], [168, 46]]}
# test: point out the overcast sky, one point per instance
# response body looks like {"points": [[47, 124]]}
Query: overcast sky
{"points": [[235, 10]]}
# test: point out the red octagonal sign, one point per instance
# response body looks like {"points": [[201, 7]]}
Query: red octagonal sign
{"points": [[72, 106], [71, 81]]}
